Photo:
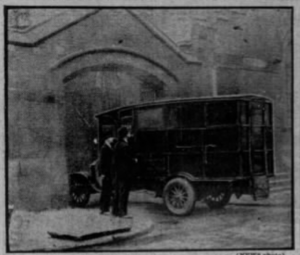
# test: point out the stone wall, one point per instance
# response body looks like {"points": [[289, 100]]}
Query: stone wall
{"points": [[254, 44], [245, 51], [57, 84], [72, 66]]}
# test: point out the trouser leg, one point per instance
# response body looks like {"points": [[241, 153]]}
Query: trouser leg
{"points": [[105, 197], [116, 198], [125, 196], [119, 204]]}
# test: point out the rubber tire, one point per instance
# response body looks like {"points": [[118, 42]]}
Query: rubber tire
{"points": [[219, 198], [79, 187], [188, 196]]}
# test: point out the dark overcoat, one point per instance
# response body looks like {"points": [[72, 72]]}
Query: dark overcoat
{"points": [[106, 160], [124, 160]]}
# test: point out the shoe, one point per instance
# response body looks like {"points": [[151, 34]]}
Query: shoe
{"points": [[127, 216], [104, 212], [120, 215]]}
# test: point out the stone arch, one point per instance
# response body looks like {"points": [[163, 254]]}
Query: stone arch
{"points": [[77, 78], [150, 86], [94, 57]]}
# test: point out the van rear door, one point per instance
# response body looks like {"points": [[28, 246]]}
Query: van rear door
{"points": [[261, 147]]}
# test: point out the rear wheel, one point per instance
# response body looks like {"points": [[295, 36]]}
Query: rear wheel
{"points": [[79, 191], [179, 196], [219, 197]]}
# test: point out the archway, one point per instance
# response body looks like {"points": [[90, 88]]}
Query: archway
{"points": [[92, 85]]}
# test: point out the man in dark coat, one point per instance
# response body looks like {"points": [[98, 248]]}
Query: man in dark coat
{"points": [[105, 165], [124, 168]]}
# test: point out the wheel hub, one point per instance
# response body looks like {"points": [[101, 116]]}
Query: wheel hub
{"points": [[178, 197]]}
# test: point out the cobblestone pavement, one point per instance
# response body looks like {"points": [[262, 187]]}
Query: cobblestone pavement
{"points": [[243, 223]]}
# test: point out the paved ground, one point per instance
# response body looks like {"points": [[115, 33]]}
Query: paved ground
{"points": [[242, 224], [72, 228]]}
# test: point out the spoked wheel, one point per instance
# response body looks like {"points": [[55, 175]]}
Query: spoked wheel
{"points": [[218, 197], [179, 196], [79, 192]]}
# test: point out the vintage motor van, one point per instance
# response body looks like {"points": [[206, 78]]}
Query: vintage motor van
{"points": [[198, 148]]}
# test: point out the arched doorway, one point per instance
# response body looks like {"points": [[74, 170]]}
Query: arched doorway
{"points": [[100, 79], [91, 90]]}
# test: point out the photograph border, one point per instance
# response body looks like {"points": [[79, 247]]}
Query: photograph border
{"points": [[6, 8]]}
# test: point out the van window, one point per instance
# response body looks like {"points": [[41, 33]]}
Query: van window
{"points": [[107, 127], [218, 113], [172, 116], [244, 113], [257, 114], [127, 122], [185, 116], [150, 118], [258, 137], [268, 114], [192, 115]]}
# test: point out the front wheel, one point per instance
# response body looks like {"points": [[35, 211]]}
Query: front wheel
{"points": [[179, 196], [79, 192]]}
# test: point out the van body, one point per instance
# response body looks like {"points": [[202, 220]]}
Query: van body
{"points": [[198, 148]]}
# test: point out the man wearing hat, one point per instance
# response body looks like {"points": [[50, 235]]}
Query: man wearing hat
{"points": [[106, 164], [124, 170]]}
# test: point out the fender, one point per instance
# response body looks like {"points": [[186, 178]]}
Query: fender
{"points": [[184, 175], [85, 177]]}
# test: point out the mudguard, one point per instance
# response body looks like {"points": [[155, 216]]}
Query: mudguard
{"points": [[185, 175], [86, 178], [84, 175]]}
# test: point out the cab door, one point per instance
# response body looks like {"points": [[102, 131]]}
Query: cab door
{"points": [[107, 127], [150, 146]]}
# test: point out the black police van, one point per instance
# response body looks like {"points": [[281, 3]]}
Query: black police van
{"points": [[198, 148]]}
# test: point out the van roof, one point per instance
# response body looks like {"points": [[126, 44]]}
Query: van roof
{"points": [[186, 100]]}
